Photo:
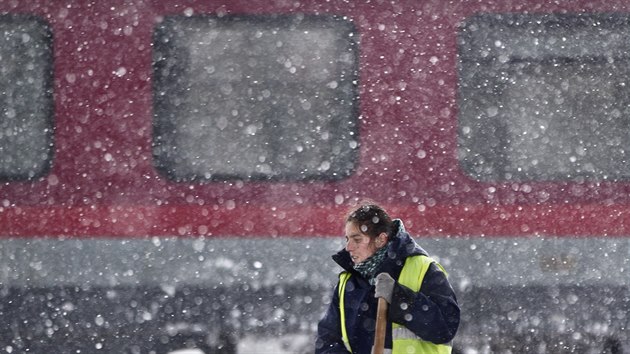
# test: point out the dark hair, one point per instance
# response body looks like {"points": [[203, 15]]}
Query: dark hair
{"points": [[371, 219]]}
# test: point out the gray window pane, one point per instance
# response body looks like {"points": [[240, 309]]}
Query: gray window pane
{"points": [[544, 97], [26, 139], [255, 97]]}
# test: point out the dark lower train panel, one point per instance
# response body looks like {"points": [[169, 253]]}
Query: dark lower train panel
{"points": [[545, 319], [532, 319], [147, 319]]}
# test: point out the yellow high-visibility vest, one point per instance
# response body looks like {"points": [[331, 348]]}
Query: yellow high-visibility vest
{"points": [[404, 341]]}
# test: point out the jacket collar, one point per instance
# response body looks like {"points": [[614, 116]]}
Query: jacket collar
{"points": [[400, 246]]}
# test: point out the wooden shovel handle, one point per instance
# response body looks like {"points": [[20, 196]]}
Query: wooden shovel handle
{"points": [[381, 326]]}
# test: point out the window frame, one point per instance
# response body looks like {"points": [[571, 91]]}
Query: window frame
{"points": [[47, 95], [471, 58], [349, 35]]}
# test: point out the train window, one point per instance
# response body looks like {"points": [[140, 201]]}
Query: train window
{"points": [[26, 104], [544, 97], [255, 97]]}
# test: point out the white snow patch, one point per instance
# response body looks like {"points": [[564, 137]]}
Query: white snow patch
{"points": [[287, 344]]}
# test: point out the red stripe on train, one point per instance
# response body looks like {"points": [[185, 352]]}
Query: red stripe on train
{"points": [[140, 221]]}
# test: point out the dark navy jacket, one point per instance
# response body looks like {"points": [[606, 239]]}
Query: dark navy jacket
{"points": [[432, 314]]}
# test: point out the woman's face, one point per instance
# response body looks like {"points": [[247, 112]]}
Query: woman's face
{"points": [[359, 245]]}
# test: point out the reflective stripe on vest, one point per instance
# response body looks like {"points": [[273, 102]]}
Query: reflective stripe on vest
{"points": [[404, 341], [343, 280]]}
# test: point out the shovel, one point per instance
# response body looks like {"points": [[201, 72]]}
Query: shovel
{"points": [[381, 327]]}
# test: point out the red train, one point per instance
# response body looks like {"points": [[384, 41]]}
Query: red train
{"points": [[176, 172]]}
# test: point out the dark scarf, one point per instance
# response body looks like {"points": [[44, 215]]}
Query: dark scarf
{"points": [[368, 267]]}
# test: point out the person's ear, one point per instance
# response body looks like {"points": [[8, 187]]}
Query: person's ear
{"points": [[381, 240]]}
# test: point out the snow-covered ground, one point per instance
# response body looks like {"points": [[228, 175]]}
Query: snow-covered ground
{"points": [[289, 344], [292, 344]]}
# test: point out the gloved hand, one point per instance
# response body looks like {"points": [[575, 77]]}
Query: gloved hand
{"points": [[384, 287]]}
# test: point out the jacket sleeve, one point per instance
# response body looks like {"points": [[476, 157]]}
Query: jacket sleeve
{"points": [[433, 313], [329, 340]]}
